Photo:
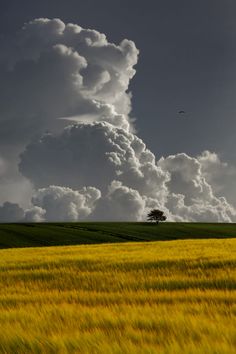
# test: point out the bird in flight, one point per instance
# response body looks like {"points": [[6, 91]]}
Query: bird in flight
{"points": [[181, 112]]}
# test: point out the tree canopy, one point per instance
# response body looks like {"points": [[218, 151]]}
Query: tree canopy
{"points": [[156, 215]]}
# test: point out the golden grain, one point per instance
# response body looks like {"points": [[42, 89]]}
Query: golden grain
{"points": [[154, 297]]}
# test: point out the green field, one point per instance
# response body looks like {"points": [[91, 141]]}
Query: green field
{"points": [[46, 234], [151, 297]]}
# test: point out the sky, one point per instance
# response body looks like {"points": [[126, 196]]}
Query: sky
{"points": [[181, 57]]}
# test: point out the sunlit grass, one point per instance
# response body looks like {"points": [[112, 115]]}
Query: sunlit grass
{"points": [[163, 297]]}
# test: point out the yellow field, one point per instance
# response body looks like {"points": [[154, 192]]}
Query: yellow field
{"points": [[162, 297]]}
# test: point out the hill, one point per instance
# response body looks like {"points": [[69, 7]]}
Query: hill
{"points": [[52, 234]]}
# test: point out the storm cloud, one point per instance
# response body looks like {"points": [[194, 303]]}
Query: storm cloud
{"points": [[76, 144], [50, 70]]}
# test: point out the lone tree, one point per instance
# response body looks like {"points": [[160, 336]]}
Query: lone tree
{"points": [[156, 215]]}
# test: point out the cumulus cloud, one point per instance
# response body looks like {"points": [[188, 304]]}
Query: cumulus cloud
{"points": [[122, 162], [54, 203], [50, 69], [186, 177], [121, 203], [52, 73], [57, 203], [217, 210], [93, 155], [34, 214], [191, 197], [219, 174]]}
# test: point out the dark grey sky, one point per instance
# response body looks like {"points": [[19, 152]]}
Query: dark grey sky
{"points": [[187, 61]]}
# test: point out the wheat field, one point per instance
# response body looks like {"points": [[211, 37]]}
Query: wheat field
{"points": [[153, 297]]}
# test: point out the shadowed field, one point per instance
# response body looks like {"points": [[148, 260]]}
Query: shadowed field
{"points": [[150, 297], [46, 234]]}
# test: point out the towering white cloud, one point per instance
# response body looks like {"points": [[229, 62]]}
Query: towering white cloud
{"points": [[51, 70], [220, 175], [186, 177], [56, 70], [101, 155], [93, 154], [191, 197], [34, 214], [97, 168], [121, 203], [64, 204]]}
